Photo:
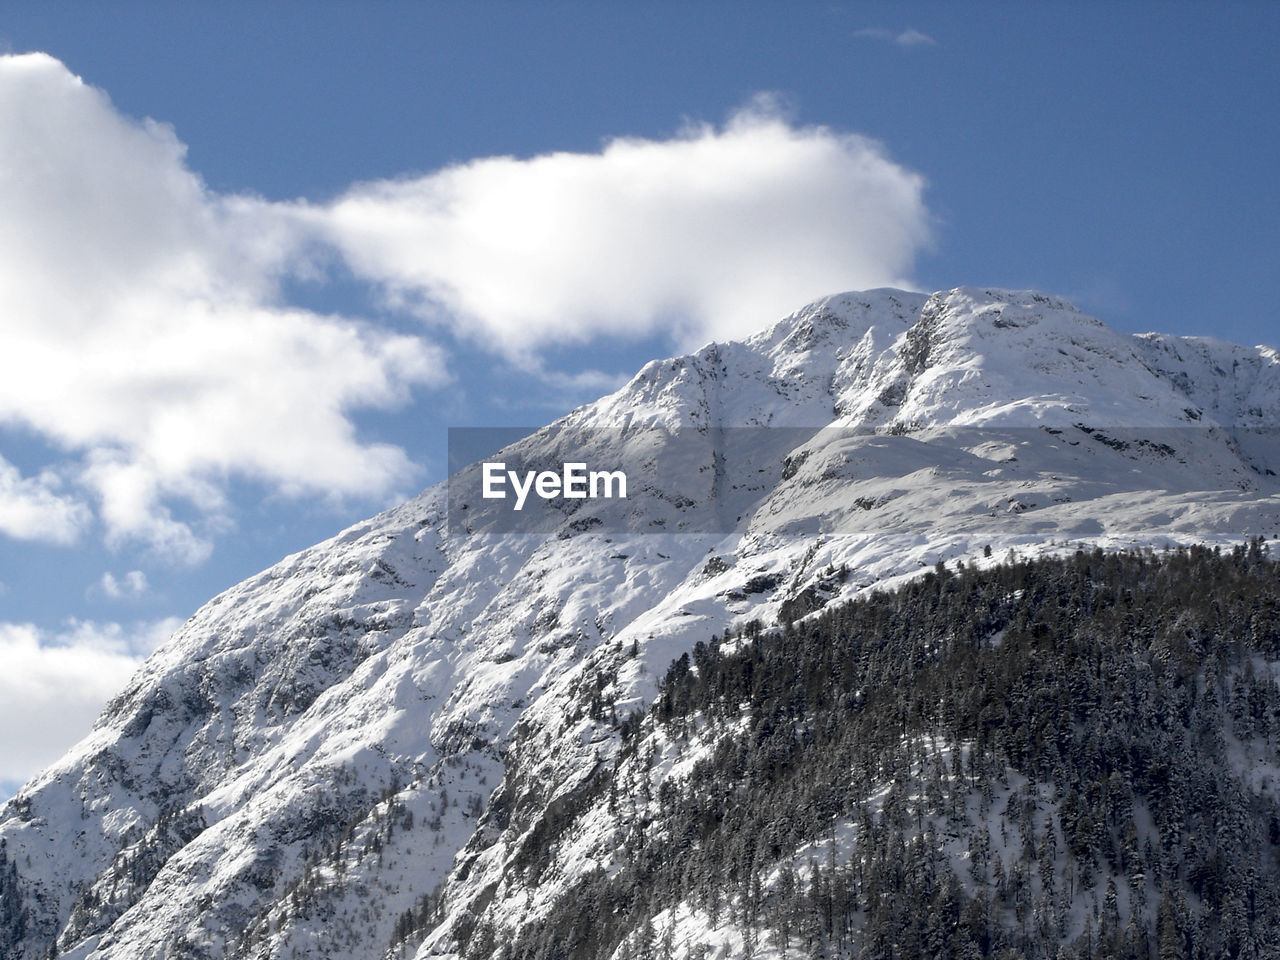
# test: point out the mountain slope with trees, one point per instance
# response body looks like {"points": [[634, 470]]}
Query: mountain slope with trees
{"points": [[1068, 757], [375, 745]]}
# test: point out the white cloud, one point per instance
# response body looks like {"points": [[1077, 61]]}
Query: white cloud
{"points": [[132, 585], [910, 37], [146, 336], [143, 333], [53, 686], [713, 233], [32, 508]]}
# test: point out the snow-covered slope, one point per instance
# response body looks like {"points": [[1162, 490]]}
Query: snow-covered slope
{"points": [[317, 749]]}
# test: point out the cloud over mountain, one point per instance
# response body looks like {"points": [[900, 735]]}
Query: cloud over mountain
{"points": [[151, 345], [709, 234]]}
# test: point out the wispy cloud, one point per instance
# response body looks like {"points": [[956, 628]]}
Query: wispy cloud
{"points": [[909, 37], [128, 587]]}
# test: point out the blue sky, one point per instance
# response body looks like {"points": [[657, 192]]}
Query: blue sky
{"points": [[260, 256]]}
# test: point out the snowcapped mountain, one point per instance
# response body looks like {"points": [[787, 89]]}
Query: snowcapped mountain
{"points": [[357, 752]]}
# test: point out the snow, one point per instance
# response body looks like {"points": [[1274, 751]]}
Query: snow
{"points": [[402, 656]]}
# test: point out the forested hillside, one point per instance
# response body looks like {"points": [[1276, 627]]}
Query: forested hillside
{"points": [[1070, 757]]}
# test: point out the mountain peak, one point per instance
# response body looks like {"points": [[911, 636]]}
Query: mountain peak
{"points": [[894, 359]]}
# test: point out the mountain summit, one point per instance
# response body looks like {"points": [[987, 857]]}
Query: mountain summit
{"points": [[360, 751]]}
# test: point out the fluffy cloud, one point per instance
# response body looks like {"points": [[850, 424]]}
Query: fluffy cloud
{"points": [[144, 336], [711, 234], [53, 685]]}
